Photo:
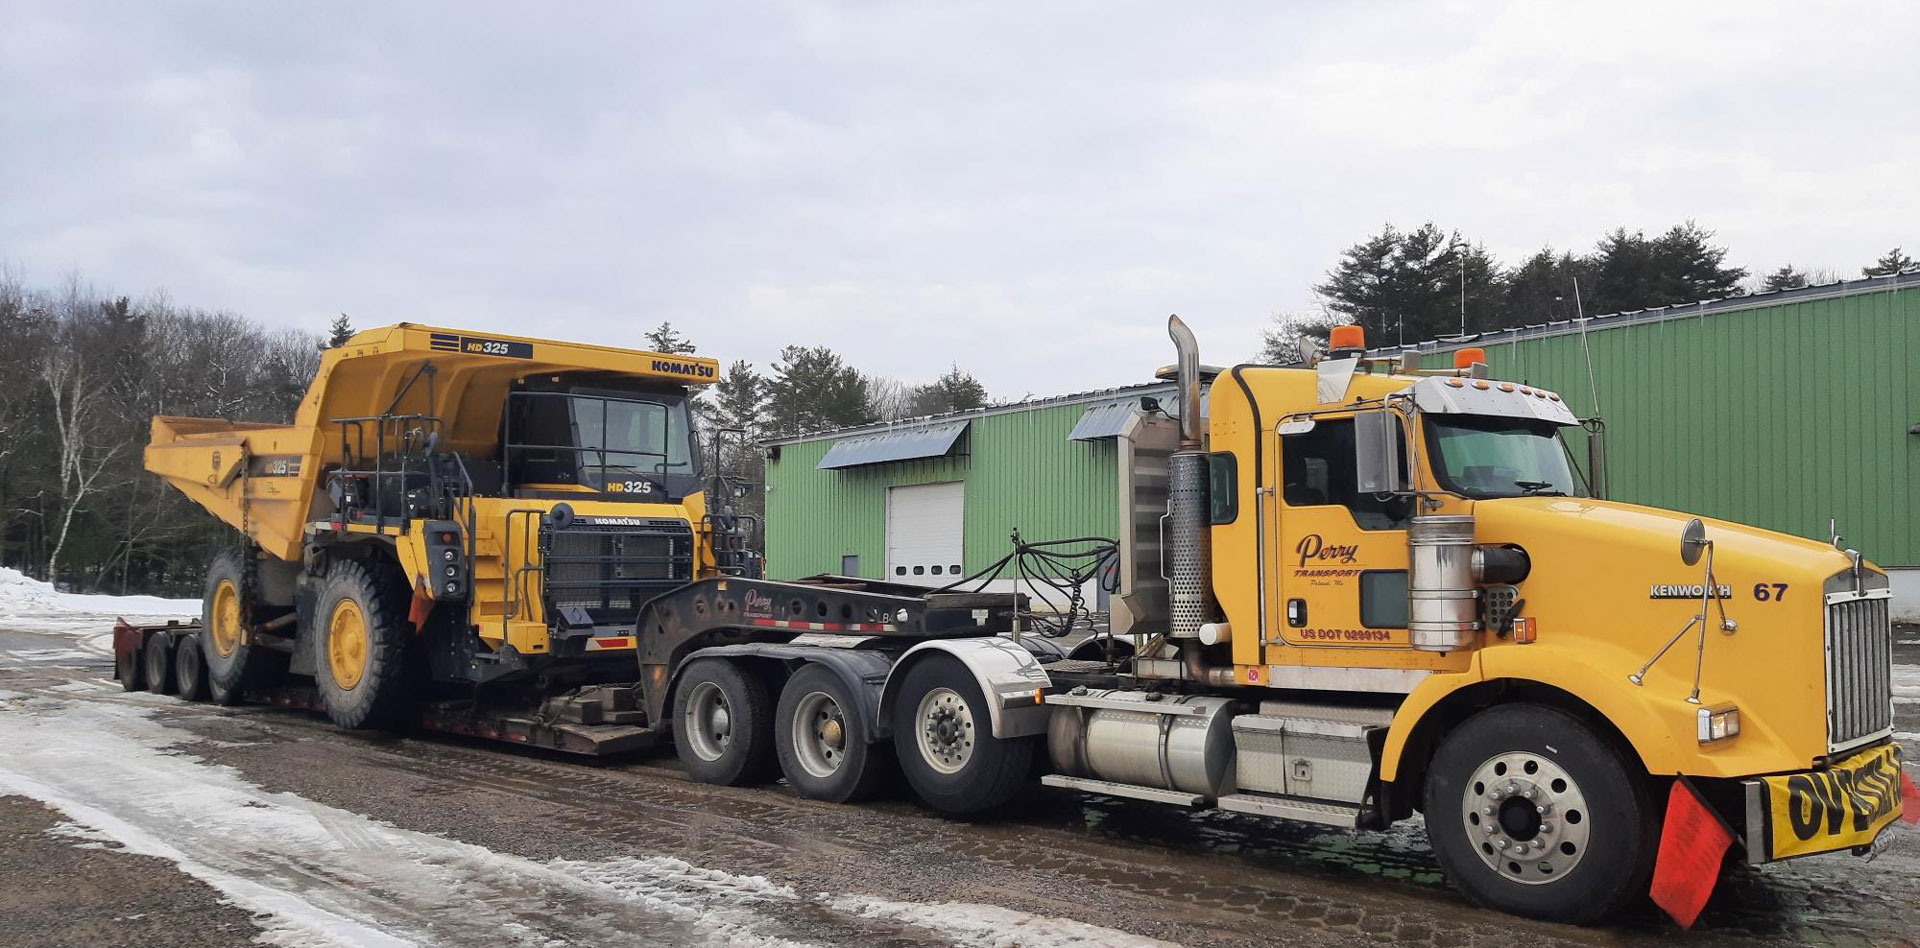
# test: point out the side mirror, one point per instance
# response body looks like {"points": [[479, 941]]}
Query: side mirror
{"points": [[1693, 541], [1150, 405], [1377, 463]]}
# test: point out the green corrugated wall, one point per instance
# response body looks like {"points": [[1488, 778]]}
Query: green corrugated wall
{"points": [[1783, 416], [1020, 470]]}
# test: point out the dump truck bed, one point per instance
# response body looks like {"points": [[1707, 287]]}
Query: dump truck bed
{"points": [[259, 478]]}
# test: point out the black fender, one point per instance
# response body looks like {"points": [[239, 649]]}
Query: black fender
{"points": [[863, 672]]}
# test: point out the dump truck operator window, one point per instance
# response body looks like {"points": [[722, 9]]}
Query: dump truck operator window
{"points": [[1316, 469], [1484, 456], [620, 438]]}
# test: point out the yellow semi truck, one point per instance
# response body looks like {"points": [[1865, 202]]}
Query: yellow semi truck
{"points": [[1352, 591]]}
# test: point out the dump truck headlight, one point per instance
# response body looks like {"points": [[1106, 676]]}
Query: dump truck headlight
{"points": [[1718, 724]]}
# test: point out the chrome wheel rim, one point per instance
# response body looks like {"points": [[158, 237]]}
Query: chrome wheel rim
{"points": [[819, 733], [943, 727], [1525, 817], [709, 722]]}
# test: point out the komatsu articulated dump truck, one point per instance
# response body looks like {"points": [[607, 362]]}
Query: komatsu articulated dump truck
{"points": [[1350, 592]]}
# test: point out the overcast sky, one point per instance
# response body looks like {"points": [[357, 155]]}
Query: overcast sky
{"points": [[1024, 188]]}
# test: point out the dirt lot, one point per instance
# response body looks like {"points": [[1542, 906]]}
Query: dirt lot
{"points": [[328, 837]]}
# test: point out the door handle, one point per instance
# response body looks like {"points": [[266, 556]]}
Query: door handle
{"points": [[1296, 613]]}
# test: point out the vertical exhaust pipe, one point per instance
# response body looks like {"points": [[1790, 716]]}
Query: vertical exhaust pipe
{"points": [[1187, 548]]}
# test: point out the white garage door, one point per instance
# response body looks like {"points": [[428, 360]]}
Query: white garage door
{"points": [[924, 532]]}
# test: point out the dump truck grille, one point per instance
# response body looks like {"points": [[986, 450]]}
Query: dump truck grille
{"points": [[1859, 672], [609, 569]]}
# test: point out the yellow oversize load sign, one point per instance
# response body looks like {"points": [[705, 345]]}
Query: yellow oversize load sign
{"points": [[1838, 808]]}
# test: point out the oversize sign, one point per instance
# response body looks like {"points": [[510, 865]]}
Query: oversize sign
{"points": [[1842, 807]]}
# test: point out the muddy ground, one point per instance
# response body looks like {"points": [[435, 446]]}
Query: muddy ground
{"points": [[392, 811]]}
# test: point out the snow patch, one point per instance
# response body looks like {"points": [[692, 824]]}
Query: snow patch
{"points": [[84, 837], [991, 926], [23, 597]]}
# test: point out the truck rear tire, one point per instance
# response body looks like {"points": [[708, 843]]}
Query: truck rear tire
{"points": [[822, 739], [131, 668], [723, 724], [157, 654], [361, 635], [1532, 811], [190, 669], [233, 664], [943, 735]]}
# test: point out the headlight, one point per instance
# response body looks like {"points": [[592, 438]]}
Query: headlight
{"points": [[1718, 724]]}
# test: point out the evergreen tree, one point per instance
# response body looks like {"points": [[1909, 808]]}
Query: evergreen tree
{"points": [[1785, 278], [1542, 289], [1361, 287], [1891, 262], [339, 332], [739, 399], [666, 339], [954, 391], [1692, 267], [1405, 287], [813, 388]]}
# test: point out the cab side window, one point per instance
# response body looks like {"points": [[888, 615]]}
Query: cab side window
{"points": [[1316, 469]]}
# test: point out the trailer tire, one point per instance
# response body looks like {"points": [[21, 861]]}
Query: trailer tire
{"points": [[157, 655], [723, 724], [361, 636], [1531, 810], [824, 748], [943, 737], [233, 663], [189, 669], [131, 668]]}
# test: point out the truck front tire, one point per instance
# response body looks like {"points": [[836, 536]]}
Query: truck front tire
{"points": [[723, 724], [1531, 810], [361, 635], [822, 739], [233, 663], [943, 735]]}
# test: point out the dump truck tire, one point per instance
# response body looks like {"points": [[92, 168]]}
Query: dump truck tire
{"points": [[723, 724], [189, 669], [1531, 810], [233, 664], [822, 739], [157, 655], [361, 634], [943, 735]]}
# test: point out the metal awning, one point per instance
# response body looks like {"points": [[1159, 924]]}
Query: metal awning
{"points": [[1104, 420], [895, 444]]}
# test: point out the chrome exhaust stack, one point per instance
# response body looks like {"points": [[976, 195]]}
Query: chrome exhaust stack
{"points": [[1187, 547]]}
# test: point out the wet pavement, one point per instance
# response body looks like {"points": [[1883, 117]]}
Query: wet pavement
{"points": [[1131, 868]]}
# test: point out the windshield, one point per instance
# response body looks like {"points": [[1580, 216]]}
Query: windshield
{"points": [[1490, 456], [631, 437]]}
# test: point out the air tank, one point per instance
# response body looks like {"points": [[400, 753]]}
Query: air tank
{"points": [[1440, 588]]}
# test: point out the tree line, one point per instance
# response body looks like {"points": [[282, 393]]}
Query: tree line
{"points": [[85, 372], [1426, 283]]}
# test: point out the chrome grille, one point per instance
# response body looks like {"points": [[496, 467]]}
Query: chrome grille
{"points": [[1859, 671]]}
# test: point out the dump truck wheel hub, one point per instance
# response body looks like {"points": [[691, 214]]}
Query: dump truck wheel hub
{"points": [[226, 618], [347, 643], [1526, 817]]}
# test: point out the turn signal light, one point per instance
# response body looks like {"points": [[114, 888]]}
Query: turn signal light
{"points": [[1524, 630], [1718, 724], [1465, 358], [1344, 338]]}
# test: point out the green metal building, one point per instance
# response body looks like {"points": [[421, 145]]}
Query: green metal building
{"points": [[1791, 410], [931, 500], [1787, 410]]}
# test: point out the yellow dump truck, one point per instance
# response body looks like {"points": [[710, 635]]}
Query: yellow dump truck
{"points": [[1352, 591]]}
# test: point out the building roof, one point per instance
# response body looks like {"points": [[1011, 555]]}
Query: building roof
{"points": [[1805, 294], [1030, 404]]}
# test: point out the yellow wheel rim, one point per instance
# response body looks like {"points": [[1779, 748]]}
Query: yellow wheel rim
{"points": [[347, 643], [226, 618]]}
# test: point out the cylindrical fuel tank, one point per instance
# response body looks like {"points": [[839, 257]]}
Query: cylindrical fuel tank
{"points": [[1177, 742], [1440, 590]]}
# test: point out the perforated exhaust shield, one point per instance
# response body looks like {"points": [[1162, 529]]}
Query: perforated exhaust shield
{"points": [[1188, 551]]}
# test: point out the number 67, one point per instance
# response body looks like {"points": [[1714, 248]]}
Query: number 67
{"points": [[1773, 591]]}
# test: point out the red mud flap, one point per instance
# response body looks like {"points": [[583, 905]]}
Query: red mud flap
{"points": [[1692, 844]]}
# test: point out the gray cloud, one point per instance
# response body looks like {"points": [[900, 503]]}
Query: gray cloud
{"points": [[1026, 189]]}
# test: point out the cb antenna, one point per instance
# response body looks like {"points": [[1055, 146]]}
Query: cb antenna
{"points": [[1593, 387]]}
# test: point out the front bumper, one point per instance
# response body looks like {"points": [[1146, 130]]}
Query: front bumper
{"points": [[1844, 806]]}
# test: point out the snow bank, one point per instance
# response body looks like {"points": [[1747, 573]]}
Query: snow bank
{"points": [[23, 595]]}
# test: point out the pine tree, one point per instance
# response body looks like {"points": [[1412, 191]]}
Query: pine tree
{"points": [[739, 399], [1891, 262], [1785, 278], [667, 339], [339, 332], [1542, 289], [1361, 287], [812, 388], [954, 391], [1692, 267], [1405, 287]]}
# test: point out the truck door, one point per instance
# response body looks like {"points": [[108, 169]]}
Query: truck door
{"points": [[1338, 558]]}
